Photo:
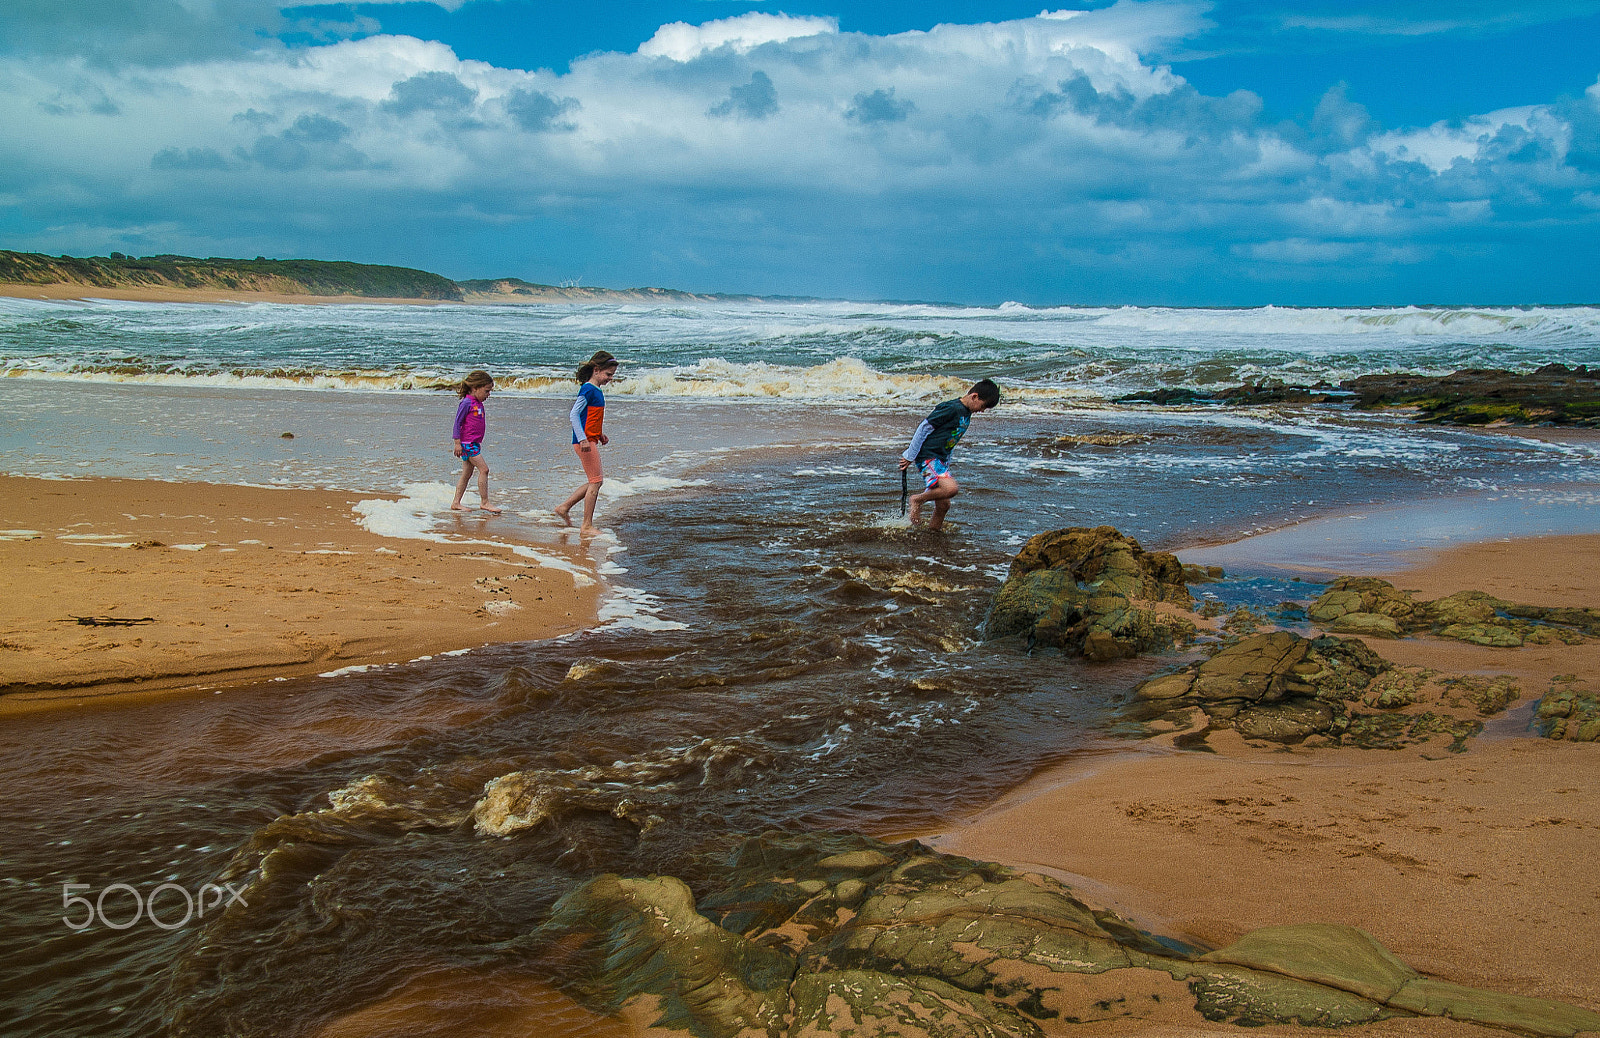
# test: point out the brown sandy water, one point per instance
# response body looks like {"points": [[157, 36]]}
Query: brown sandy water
{"points": [[807, 664]]}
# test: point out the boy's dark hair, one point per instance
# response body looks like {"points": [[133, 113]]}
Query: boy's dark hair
{"points": [[987, 391]]}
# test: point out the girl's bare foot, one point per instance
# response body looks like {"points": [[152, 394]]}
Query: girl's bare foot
{"points": [[588, 531], [561, 513], [491, 509], [458, 507]]}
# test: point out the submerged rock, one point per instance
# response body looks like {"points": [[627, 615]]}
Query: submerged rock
{"points": [[942, 945], [1091, 592]]}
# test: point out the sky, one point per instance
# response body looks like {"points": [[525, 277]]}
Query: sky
{"points": [[1146, 152]]}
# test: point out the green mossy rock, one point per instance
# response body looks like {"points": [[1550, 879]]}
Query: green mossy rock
{"points": [[946, 946], [1371, 608], [1256, 668], [1492, 635], [1371, 625], [1429, 997], [1089, 592], [644, 937], [1338, 956], [866, 1004]]}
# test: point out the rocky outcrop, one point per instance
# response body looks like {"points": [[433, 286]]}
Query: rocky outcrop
{"points": [[1272, 686], [1248, 394], [831, 934], [1552, 395], [1567, 713], [1376, 608], [1286, 688], [1092, 592]]}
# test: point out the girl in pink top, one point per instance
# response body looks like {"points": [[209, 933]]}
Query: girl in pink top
{"points": [[471, 422]]}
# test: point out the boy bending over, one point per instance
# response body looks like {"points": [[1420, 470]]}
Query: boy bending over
{"points": [[930, 449]]}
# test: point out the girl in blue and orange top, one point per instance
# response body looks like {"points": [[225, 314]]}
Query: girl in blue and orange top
{"points": [[588, 435], [471, 423]]}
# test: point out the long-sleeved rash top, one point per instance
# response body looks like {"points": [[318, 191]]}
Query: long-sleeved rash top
{"points": [[939, 433], [588, 413], [471, 422]]}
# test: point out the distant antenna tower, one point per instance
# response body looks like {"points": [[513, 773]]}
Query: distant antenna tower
{"points": [[574, 283]]}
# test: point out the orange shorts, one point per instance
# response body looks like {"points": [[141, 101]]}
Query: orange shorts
{"points": [[589, 455]]}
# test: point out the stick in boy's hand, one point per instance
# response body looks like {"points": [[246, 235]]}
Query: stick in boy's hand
{"points": [[905, 491]]}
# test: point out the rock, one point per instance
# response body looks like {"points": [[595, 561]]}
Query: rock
{"points": [[1375, 608], [1483, 634], [1487, 396], [1430, 997], [1166, 686], [1255, 668], [1363, 595], [1339, 956], [1194, 574], [1370, 625], [1565, 713], [869, 1004], [965, 949], [1089, 592], [644, 937], [1293, 720], [1270, 686], [1464, 607]]}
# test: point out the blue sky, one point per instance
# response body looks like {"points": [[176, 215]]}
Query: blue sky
{"points": [[1159, 152]]}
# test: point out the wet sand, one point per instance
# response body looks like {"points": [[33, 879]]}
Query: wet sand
{"points": [[194, 584], [1474, 867]]}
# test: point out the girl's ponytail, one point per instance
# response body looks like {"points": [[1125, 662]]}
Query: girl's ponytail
{"points": [[474, 380], [601, 359]]}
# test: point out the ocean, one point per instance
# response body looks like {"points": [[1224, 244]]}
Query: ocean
{"points": [[776, 650]]}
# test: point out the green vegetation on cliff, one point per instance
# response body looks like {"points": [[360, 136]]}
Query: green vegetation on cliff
{"points": [[289, 277]]}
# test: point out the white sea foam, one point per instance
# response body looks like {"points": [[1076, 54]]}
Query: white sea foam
{"points": [[626, 607], [647, 485]]}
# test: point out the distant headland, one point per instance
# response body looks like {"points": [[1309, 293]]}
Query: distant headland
{"points": [[169, 278]]}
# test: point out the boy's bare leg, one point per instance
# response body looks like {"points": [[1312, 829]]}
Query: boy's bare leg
{"points": [[940, 494]]}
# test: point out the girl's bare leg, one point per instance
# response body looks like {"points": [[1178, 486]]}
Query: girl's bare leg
{"points": [[461, 484], [564, 509], [483, 486], [591, 496]]}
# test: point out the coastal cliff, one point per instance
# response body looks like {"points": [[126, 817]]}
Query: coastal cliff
{"points": [[281, 277], [303, 277]]}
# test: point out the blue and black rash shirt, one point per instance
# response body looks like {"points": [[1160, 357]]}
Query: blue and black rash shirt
{"points": [[939, 433]]}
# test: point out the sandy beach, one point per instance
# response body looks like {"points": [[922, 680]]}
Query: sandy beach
{"points": [[128, 586], [1474, 867]]}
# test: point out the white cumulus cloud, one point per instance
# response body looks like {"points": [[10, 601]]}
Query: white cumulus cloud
{"points": [[681, 41]]}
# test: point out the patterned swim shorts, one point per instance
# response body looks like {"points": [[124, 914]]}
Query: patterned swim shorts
{"points": [[932, 470], [471, 450]]}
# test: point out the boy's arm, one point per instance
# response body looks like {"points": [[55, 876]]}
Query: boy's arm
{"points": [[923, 432]]}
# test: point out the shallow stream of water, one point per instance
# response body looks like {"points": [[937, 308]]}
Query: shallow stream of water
{"points": [[791, 657]]}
